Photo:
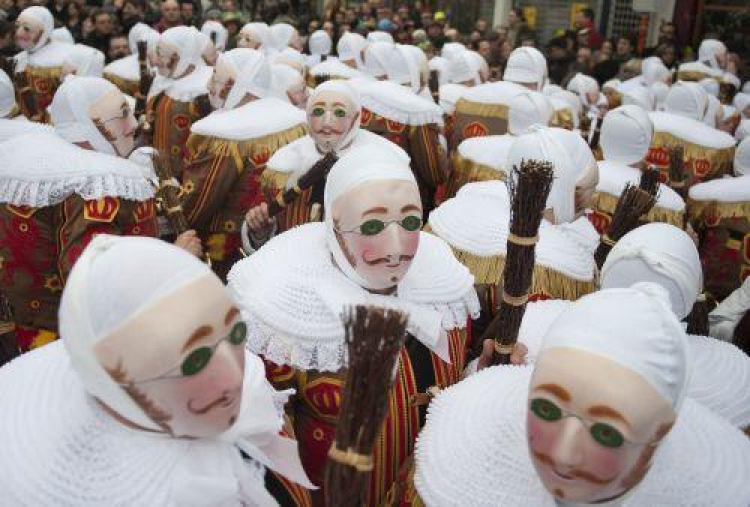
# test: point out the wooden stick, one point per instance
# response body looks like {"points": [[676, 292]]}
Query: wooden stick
{"points": [[316, 173]]}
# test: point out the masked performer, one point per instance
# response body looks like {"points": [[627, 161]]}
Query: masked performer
{"points": [[228, 151], [38, 67], [255, 36], [348, 65], [369, 251], [720, 210], [150, 393], [594, 422], [333, 116], [179, 95], [12, 122]]}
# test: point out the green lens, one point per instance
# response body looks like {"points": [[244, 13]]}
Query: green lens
{"points": [[411, 223], [238, 334], [546, 410], [606, 435], [196, 361], [339, 113], [372, 227], [318, 111]]}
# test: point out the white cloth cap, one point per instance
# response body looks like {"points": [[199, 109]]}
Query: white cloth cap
{"points": [[452, 49], [320, 43], [660, 91], [742, 158], [462, 67], [189, 43], [281, 35], [69, 111], [283, 79], [707, 52], [350, 46], [63, 35], [142, 32], [741, 101], [743, 130], [659, 253], [527, 109], [632, 327], [653, 70], [260, 32], [524, 66], [416, 60], [551, 145], [222, 34], [713, 110], [86, 60], [687, 99], [358, 166], [45, 18], [253, 75], [626, 134], [640, 96], [7, 95], [583, 84], [710, 85], [110, 283], [380, 36]]}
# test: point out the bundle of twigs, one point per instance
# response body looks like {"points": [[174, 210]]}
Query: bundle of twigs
{"points": [[144, 85], [650, 180], [697, 319], [169, 193], [677, 175], [434, 84], [634, 202], [317, 173], [529, 188], [321, 78], [374, 338]]}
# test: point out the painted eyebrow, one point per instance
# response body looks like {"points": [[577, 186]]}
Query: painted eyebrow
{"points": [[339, 104], [410, 207], [378, 209], [197, 335], [231, 314], [555, 390], [608, 412]]}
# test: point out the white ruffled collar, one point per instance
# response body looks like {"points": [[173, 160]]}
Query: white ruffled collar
{"points": [[477, 221], [52, 54], [255, 119], [613, 176], [56, 426], [703, 461], [691, 130], [727, 189], [293, 303], [124, 68], [398, 103], [21, 125], [184, 89], [42, 169]]}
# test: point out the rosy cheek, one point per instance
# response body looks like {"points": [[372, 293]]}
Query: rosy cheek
{"points": [[542, 435], [604, 462], [366, 247], [411, 243]]}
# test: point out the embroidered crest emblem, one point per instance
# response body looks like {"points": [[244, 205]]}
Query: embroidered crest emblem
{"points": [[101, 210]]}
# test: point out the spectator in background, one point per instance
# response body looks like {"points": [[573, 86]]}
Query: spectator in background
{"points": [[329, 29], [623, 49], [118, 47], [485, 49], [667, 52], [436, 35], [605, 66], [188, 14], [232, 22], [585, 21], [285, 16], [517, 29], [559, 59], [7, 47], [170, 16], [481, 27], [102, 30], [75, 20], [133, 11]]}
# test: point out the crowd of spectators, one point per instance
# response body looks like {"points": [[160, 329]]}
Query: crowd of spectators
{"points": [[104, 24]]}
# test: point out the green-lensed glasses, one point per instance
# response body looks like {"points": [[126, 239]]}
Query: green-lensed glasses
{"points": [[199, 358], [337, 112], [373, 226], [602, 433]]}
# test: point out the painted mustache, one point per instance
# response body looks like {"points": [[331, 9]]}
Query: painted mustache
{"points": [[329, 132], [577, 474], [388, 260], [224, 401]]}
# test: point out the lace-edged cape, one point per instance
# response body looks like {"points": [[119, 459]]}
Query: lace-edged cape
{"points": [[480, 423], [477, 221], [397, 103], [614, 175], [42, 169], [292, 296], [255, 119], [61, 448], [125, 68], [728, 189]]}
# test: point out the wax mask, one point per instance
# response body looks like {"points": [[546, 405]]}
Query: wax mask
{"points": [[115, 120], [220, 84], [592, 425], [247, 39], [167, 57], [182, 359], [28, 31], [377, 226], [331, 117]]}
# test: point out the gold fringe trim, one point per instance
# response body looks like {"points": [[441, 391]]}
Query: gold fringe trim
{"points": [[699, 209], [478, 109], [44, 72], [467, 171], [489, 270], [272, 180], [692, 75], [721, 159], [125, 85], [562, 118], [262, 147], [607, 203]]}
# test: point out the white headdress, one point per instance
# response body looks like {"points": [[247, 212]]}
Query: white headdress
{"points": [[350, 46], [222, 34], [43, 16], [708, 50], [527, 109], [189, 43], [253, 75], [687, 99], [626, 134]]}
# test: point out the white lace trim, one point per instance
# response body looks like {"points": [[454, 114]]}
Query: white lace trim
{"points": [[396, 103]]}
